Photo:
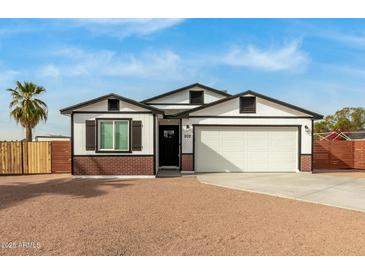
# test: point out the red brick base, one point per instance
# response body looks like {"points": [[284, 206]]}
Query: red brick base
{"points": [[187, 162], [113, 165], [305, 162]]}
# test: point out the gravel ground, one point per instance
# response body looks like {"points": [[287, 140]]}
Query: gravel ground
{"points": [[166, 217]]}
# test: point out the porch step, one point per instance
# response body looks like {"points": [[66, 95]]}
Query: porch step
{"points": [[168, 173]]}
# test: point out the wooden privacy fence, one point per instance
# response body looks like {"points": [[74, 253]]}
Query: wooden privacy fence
{"points": [[11, 161], [61, 156], [359, 154], [339, 154], [34, 157]]}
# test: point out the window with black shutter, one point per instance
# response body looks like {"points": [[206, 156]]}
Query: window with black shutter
{"points": [[113, 104], [196, 97], [247, 104]]}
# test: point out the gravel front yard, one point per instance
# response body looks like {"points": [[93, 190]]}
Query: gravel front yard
{"points": [[166, 217]]}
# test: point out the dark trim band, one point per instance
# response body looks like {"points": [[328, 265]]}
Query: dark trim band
{"points": [[154, 145], [312, 148], [245, 125], [252, 117], [72, 144], [299, 147], [112, 112], [180, 144], [173, 104]]}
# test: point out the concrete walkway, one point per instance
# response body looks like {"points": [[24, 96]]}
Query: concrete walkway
{"points": [[338, 191]]}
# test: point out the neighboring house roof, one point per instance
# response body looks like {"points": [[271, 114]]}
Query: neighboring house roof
{"points": [[250, 92], [342, 135], [221, 92], [355, 135], [68, 110], [51, 136]]}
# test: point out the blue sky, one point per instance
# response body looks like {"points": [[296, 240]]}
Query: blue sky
{"points": [[318, 64]]}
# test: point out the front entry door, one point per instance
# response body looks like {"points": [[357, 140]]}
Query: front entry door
{"points": [[169, 145]]}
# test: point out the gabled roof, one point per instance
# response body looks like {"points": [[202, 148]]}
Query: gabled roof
{"points": [[68, 110], [221, 92], [250, 92]]}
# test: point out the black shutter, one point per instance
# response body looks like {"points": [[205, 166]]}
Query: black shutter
{"points": [[137, 135], [90, 134]]}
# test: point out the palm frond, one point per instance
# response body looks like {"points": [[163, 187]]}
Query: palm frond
{"points": [[25, 107]]}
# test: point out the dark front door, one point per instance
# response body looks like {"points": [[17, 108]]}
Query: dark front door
{"points": [[169, 145]]}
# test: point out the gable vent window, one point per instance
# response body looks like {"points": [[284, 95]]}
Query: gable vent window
{"points": [[247, 104], [113, 104], [196, 97]]}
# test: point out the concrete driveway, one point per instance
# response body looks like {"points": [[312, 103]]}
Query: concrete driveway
{"points": [[339, 191]]}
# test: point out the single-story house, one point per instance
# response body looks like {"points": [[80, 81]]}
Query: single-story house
{"points": [[195, 128]]}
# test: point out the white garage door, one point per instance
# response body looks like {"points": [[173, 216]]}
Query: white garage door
{"points": [[246, 149]]}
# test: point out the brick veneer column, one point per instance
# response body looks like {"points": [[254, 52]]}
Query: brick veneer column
{"points": [[187, 162], [306, 162]]}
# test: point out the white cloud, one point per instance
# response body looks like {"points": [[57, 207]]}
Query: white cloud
{"points": [[74, 61], [49, 71], [352, 71], [79, 62], [357, 72], [286, 58], [323, 96], [355, 40], [122, 28], [18, 29], [149, 64], [7, 76], [119, 28], [347, 37]]}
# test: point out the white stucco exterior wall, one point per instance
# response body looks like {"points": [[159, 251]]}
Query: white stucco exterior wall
{"points": [[263, 108]]}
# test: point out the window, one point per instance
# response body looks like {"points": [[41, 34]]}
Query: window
{"points": [[247, 104], [169, 134], [114, 135], [113, 104], [196, 97]]}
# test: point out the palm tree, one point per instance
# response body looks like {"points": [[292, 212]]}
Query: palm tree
{"points": [[25, 108]]}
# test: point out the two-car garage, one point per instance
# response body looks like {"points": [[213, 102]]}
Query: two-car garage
{"points": [[247, 132], [224, 148]]}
